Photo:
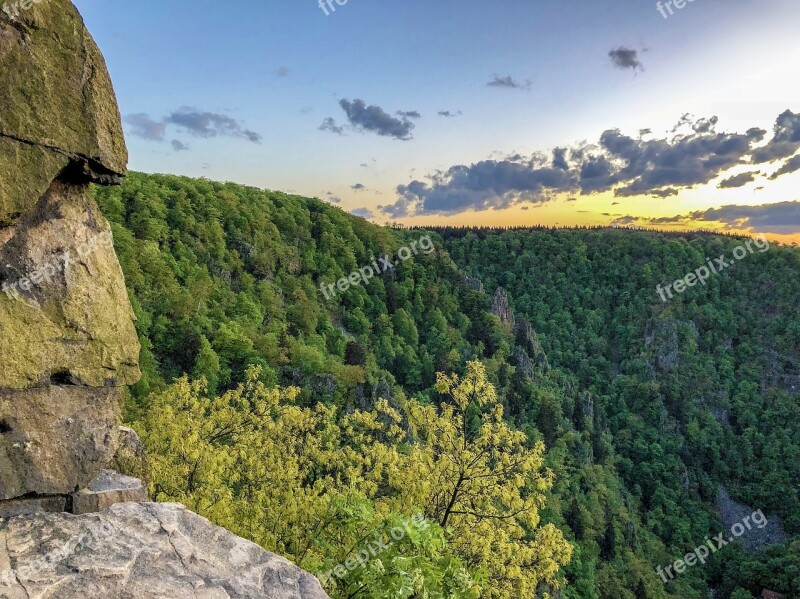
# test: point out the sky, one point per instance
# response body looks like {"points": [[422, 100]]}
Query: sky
{"points": [[514, 112]]}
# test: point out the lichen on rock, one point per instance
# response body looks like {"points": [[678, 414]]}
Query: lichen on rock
{"points": [[67, 338]]}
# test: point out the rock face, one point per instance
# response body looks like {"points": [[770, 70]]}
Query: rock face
{"points": [[135, 551], [68, 340], [108, 489], [58, 106]]}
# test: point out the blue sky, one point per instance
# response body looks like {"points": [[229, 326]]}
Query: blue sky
{"points": [[278, 69]]}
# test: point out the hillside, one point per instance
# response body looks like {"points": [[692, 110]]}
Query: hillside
{"points": [[645, 407]]}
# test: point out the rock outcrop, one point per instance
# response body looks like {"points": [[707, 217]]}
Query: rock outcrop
{"points": [[68, 347], [141, 550], [68, 340]]}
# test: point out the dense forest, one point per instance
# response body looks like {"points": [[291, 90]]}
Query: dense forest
{"points": [[521, 404]]}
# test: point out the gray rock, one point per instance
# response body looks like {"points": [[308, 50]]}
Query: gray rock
{"points": [[110, 488], [501, 307], [68, 337], [130, 458], [141, 551], [34, 505], [759, 533], [55, 439]]}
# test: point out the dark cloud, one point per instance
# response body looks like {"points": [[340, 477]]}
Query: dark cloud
{"points": [[782, 217], [738, 180], [179, 146], [333, 198], [785, 141], [790, 166], [210, 124], [363, 213], [618, 163], [623, 221], [358, 187], [508, 82], [626, 58], [560, 159], [448, 114], [329, 124], [376, 119], [141, 125], [411, 114]]}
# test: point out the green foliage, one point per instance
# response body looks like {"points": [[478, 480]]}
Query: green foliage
{"points": [[644, 407]]}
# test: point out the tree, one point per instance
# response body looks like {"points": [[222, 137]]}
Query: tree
{"points": [[484, 486]]}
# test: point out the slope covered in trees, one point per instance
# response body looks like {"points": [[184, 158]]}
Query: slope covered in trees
{"points": [[629, 412]]}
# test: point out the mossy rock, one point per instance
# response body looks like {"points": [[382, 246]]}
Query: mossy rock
{"points": [[65, 312], [57, 105]]}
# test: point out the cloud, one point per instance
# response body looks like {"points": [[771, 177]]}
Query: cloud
{"points": [[411, 114], [333, 198], [329, 124], [363, 212], [210, 124], [790, 166], [283, 72], [785, 141], [781, 217], [179, 146], [623, 221], [626, 166], [449, 115], [738, 180], [141, 125], [376, 119], [508, 82], [626, 58], [358, 187]]}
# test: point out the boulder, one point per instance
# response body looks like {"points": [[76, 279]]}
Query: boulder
{"points": [[55, 439], [59, 109], [130, 458], [67, 326], [138, 551], [108, 489]]}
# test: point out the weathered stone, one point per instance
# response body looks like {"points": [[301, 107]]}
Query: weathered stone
{"points": [[501, 307], [75, 316], [133, 551], [110, 488], [33, 505], [56, 439], [130, 458], [57, 99]]}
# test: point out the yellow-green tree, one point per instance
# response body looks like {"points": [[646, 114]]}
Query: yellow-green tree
{"points": [[480, 481], [320, 486]]}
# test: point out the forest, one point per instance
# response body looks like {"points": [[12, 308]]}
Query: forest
{"points": [[520, 404]]}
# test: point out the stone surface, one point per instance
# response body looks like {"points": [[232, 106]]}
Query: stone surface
{"points": [[141, 551], [130, 458], [58, 105], [75, 318], [56, 439], [108, 489], [34, 505], [68, 339]]}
